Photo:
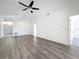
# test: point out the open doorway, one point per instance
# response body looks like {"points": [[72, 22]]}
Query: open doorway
{"points": [[74, 30], [6, 26], [0, 28]]}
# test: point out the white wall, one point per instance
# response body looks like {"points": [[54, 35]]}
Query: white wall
{"points": [[52, 20], [12, 8], [55, 27], [22, 27]]}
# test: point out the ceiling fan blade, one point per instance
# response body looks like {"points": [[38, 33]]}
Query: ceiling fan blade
{"points": [[22, 4], [35, 8], [24, 9], [31, 4], [31, 11]]}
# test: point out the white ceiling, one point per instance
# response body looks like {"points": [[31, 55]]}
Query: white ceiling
{"points": [[11, 7], [8, 7]]}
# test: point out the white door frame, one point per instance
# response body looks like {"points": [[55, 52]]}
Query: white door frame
{"points": [[70, 36], [2, 20]]}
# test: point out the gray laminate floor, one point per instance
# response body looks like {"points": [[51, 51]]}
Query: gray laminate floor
{"points": [[28, 47]]}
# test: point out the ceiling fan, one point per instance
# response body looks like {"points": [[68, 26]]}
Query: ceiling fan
{"points": [[29, 7]]}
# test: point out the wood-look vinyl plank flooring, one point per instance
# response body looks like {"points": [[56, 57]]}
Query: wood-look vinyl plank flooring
{"points": [[29, 47]]}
